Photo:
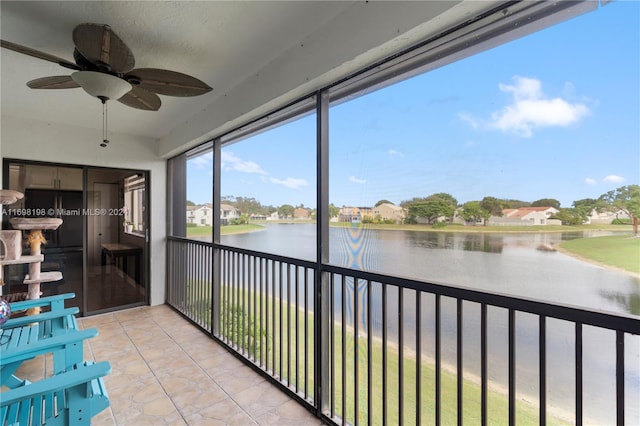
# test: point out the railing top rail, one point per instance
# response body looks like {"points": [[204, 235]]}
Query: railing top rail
{"points": [[275, 257], [614, 321], [189, 240]]}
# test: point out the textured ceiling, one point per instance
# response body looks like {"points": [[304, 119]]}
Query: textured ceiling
{"points": [[221, 43]]}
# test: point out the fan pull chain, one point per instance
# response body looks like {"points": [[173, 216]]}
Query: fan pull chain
{"points": [[105, 141]]}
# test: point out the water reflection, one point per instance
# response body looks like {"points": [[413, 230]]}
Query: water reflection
{"points": [[508, 263], [629, 302], [487, 243]]}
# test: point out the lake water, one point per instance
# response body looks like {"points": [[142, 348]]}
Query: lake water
{"points": [[507, 263]]}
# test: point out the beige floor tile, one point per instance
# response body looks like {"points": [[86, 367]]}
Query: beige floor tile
{"points": [[32, 370], [165, 371], [196, 398], [260, 399], [226, 412], [105, 418], [226, 364], [119, 385], [100, 321], [238, 380], [289, 413]]}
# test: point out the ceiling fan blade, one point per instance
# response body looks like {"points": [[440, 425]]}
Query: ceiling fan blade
{"points": [[53, 82], [141, 99], [165, 82], [101, 46], [38, 54]]}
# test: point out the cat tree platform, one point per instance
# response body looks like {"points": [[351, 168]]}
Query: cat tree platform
{"points": [[45, 277], [23, 259], [9, 196], [35, 224]]}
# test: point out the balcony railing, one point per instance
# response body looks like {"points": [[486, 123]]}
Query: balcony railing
{"points": [[365, 348], [189, 280]]}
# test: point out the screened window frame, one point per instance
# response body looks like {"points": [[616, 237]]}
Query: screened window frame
{"points": [[506, 22]]}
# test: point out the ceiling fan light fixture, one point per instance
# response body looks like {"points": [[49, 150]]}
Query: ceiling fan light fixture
{"points": [[101, 85]]}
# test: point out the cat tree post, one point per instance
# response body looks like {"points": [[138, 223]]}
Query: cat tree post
{"points": [[35, 240]]}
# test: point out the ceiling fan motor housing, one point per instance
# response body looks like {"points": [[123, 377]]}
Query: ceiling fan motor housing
{"points": [[101, 85], [105, 69]]}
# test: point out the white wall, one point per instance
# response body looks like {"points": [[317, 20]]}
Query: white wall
{"points": [[26, 139]]}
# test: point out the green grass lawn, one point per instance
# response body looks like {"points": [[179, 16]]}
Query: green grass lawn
{"points": [[198, 231], [205, 231], [619, 251]]}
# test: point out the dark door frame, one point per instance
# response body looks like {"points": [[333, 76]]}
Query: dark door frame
{"points": [[147, 256]]}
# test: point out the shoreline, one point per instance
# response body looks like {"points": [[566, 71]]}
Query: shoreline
{"points": [[595, 262]]}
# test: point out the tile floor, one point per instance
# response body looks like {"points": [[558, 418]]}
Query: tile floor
{"points": [[167, 372]]}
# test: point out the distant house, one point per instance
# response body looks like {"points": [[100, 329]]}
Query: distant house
{"points": [[301, 213], [354, 214], [387, 211], [350, 214], [607, 217], [458, 219], [200, 215], [525, 216], [228, 213], [273, 216], [366, 212], [191, 215]]}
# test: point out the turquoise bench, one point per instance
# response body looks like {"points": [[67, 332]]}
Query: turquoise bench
{"points": [[74, 393], [69, 398], [67, 351], [56, 319], [26, 337]]}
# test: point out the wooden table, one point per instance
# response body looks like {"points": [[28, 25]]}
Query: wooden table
{"points": [[117, 251]]}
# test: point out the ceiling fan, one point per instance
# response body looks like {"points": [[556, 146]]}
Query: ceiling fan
{"points": [[104, 67]]}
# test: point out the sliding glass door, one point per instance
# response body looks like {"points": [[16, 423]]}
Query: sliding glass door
{"points": [[116, 239], [101, 247]]}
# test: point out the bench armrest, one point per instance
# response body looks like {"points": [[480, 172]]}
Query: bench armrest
{"points": [[53, 302], [39, 318], [78, 376], [44, 346]]}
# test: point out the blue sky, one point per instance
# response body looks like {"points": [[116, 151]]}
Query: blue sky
{"points": [[553, 115]]}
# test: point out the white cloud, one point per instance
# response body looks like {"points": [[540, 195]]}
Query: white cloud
{"points": [[231, 162], [530, 109], [394, 153], [613, 179], [290, 182], [202, 161], [356, 180], [471, 120], [606, 179]]}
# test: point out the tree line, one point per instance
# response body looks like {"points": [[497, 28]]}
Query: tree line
{"points": [[441, 204], [435, 206]]}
